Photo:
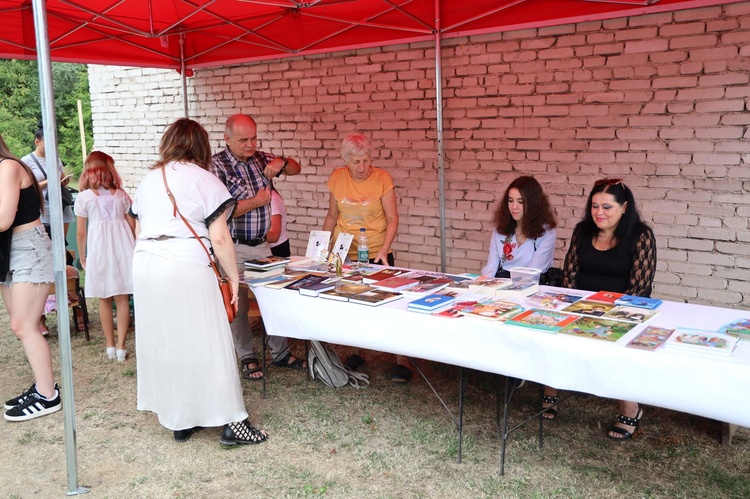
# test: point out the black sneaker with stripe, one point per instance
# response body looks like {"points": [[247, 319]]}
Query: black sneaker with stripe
{"points": [[10, 404], [33, 406]]}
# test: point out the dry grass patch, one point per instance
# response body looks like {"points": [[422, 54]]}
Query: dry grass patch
{"points": [[383, 441]]}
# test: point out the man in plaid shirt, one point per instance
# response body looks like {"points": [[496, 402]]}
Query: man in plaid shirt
{"points": [[247, 173]]}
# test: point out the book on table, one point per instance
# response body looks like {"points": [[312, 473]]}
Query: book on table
{"points": [[638, 301], [630, 314], [342, 245], [286, 281], [491, 309], [517, 290], [264, 281], [650, 338], [598, 328], [323, 283], [551, 300], [396, 283], [701, 341], [345, 291], [425, 287], [262, 273], [267, 262], [317, 242], [548, 321], [739, 328], [383, 274], [587, 307], [375, 297], [430, 302], [305, 280], [605, 296], [489, 285]]}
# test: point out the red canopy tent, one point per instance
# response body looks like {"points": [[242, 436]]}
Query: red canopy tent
{"points": [[187, 34], [219, 32]]}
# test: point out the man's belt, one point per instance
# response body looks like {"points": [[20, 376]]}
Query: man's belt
{"points": [[251, 242]]}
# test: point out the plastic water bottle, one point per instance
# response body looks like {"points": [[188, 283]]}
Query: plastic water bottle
{"points": [[363, 250]]}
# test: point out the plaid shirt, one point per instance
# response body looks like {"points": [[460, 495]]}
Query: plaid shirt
{"points": [[244, 180]]}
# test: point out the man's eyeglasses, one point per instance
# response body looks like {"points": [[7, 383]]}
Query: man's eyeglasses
{"points": [[608, 181]]}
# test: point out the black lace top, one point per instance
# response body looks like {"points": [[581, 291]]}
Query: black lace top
{"points": [[622, 269]]}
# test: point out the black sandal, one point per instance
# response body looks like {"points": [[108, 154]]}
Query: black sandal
{"points": [[284, 362], [247, 372], [549, 413], [634, 422], [242, 433]]}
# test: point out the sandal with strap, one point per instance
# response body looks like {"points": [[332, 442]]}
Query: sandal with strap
{"points": [[549, 412], [247, 372], [297, 363], [625, 434], [242, 433]]}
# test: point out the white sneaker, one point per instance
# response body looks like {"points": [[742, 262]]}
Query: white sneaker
{"points": [[122, 355], [111, 355]]}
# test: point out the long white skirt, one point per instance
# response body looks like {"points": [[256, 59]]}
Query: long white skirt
{"points": [[187, 369]]}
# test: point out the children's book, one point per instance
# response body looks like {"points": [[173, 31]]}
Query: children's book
{"points": [[517, 290], [492, 309], [739, 328], [701, 341], [342, 244], [396, 283], [490, 285], [630, 314], [383, 274], [551, 300], [598, 328], [454, 312], [267, 262], [345, 291], [317, 243], [587, 307], [605, 296], [543, 320], [638, 301], [375, 297], [431, 302], [650, 338]]}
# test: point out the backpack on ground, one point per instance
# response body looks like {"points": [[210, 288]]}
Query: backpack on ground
{"points": [[325, 364]]}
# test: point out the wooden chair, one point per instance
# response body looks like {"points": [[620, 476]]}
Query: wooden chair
{"points": [[78, 305]]}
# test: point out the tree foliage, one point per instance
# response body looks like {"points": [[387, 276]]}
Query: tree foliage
{"points": [[20, 108]]}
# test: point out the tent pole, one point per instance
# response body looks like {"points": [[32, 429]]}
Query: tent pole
{"points": [[183, 70], [440, 148], [44, 64]]}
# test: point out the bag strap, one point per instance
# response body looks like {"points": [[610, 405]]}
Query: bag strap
{"points": [[39, 165], [176, 212]]}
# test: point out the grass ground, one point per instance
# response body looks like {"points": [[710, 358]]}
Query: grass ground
{"points": [[383, 441]]}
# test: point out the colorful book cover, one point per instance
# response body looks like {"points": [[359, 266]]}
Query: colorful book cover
{"points": [[315, 288], [543, 320], [701, 341], [638, 301], [598, 329], [345, 291], [587, 307], [305, 281], [454, 312], [631, 314], [650, 338], [383, 274], [605, 296], [551, 300], [490, 309], [489, 285], [396, 283], [739, 328], [431, 302], [375, 297], [427, 287]]}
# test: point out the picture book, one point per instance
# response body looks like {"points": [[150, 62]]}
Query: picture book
{"points": [[543, 320], [461, 286], [517, 290], [431, 302], [650, 338], [739, 328], [383, 274], [396, 283], [598, 329], [492, 309], [317, 243], [342, 244], [605, 296], [454, 312], [489, 285], [269, 261], [701, 341], [345, 291], [551, 300], [630, 314], [587, 307], [638, 301], [375, 297], [315, 288]]}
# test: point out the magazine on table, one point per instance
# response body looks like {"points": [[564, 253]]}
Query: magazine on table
{"points": [[598, 328], [650, 338]]}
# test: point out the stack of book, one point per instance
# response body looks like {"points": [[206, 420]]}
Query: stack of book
{"points": [[430, 303], [265, 267], [701, 341], [739, 328]]}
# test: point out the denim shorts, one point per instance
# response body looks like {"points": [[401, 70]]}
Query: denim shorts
{"points": [[31, 257]]}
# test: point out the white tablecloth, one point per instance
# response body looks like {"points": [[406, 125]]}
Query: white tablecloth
{"points": [[714, 387]]}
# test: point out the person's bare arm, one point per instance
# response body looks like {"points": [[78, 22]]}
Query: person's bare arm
{"points": [[221, 241], [81, 239], [391, 218], [274, 232], [332, 216], [278, 165]]}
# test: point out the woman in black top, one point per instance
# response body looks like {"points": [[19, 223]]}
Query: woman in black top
{"points": [[613, 250]]}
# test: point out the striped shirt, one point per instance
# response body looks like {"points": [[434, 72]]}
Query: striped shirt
{"points": [[244, 180]]}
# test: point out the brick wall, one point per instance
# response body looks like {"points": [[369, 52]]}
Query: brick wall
{"points": [[661, 100]]}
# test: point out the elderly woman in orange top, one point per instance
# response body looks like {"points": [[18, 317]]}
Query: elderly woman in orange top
{"points": [[363, 196]]}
